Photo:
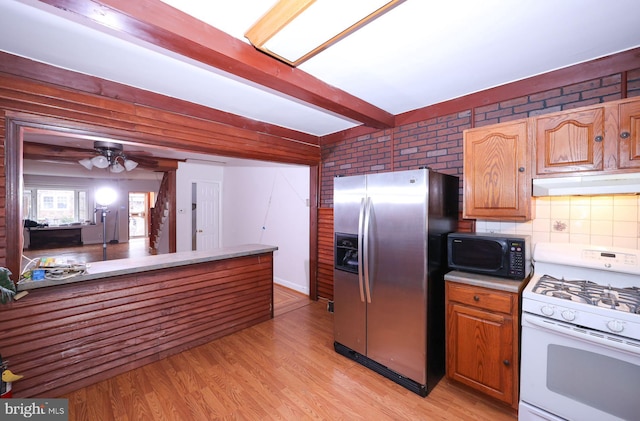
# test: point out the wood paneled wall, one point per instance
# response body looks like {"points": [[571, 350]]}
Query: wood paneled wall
{"points": [[83, 105], [70, 336], [325, 253], [3, 194], [78, 112]]}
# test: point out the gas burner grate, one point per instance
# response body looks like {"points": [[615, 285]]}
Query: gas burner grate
{"points": [[588, 292]]}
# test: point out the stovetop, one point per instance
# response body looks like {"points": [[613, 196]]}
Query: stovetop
{"points": [[591, 293], [589, 286]]}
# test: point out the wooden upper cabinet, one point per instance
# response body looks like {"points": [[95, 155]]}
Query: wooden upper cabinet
{"points": [[629, 135], [570, 142], [498, 160], [497, 174]]}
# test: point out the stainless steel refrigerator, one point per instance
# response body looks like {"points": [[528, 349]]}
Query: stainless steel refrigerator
{"points": [[390, 259]]}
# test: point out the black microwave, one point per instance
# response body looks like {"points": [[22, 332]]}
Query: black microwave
{"points": [[502, 255]]}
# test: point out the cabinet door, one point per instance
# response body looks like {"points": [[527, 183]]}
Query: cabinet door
{"points": [[570, 142], [497, 175], [629, 135], [480, 349]]}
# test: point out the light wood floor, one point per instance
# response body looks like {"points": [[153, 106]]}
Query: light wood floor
{"points": [[135, 247], [282, 369]]}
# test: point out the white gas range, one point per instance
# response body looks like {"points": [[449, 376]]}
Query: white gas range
{"points": [[580, 353]]}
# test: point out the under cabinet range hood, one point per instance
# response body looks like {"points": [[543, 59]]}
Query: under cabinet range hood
{"points": [[623, 183]]}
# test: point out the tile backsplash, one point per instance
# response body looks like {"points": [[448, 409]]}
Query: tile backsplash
{"points": [[598, 220]]}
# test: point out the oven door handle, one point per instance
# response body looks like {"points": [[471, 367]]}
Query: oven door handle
{"points": [[600, 338]]}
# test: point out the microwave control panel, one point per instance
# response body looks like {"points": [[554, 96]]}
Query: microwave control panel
{"points": [[517, 259]]}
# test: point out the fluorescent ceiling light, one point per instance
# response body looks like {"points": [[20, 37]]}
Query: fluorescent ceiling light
{"points": [[296, 30]]}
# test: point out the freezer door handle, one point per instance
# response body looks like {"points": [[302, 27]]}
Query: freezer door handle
{"points": [[365, 246], [360, 263]]}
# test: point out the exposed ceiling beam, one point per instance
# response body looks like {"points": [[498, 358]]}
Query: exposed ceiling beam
{"points": [[29, 69], [160, 24], [54, 153]]}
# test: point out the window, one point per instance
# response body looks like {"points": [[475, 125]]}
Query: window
{"points": [[47, 202], [55, 206]]}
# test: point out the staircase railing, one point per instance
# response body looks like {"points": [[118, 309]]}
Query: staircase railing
{"points": [[160, 213]]}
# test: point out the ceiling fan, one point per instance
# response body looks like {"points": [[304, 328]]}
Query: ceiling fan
{"points": [[110, 156]]}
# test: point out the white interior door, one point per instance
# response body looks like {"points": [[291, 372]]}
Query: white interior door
{"points": [[138, 214], [207, 215]]}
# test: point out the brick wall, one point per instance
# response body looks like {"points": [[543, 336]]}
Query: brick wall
{"points": [[437, 142]]}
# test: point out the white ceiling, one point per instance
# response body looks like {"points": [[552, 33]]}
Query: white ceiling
{"points": [[418, 54]]}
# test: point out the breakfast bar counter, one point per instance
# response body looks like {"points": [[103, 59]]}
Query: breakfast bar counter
{"points": [[122, 314], [111, 268]]}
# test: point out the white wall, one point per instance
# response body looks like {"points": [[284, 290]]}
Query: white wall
{"points": [[187, 174], [119, 209], [261, 203], [269, 205]]}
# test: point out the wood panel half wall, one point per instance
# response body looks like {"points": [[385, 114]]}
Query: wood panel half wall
{"points": [[70, 336]]}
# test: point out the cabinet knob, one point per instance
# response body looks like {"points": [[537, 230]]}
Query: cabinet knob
{"points": [[599, 138], [625, 135], [521, 169], [476, 298], [506, 362]]}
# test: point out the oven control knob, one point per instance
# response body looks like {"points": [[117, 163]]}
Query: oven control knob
{"points": [[569, 315], [615, 326], [547, 310]]}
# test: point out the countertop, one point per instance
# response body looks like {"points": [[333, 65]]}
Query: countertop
{"points": [[56, 227], [485, 281], [110, 268]]}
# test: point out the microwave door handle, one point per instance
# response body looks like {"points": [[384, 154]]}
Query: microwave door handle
{"points": [[360, 240], [366, 233]]}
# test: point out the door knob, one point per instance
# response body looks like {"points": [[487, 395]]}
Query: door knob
{"points": [[625, 135]]}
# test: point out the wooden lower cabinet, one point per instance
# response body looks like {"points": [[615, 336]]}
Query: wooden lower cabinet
{"points": [[482, 340]]}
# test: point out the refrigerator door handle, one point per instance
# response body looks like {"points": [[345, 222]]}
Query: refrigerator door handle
{"points": [[367, 222], [360, 241]]}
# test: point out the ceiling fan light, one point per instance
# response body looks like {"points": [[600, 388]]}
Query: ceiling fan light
{"points": [[129, 164], [100, 161], [116, 168], [86, 163]]}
